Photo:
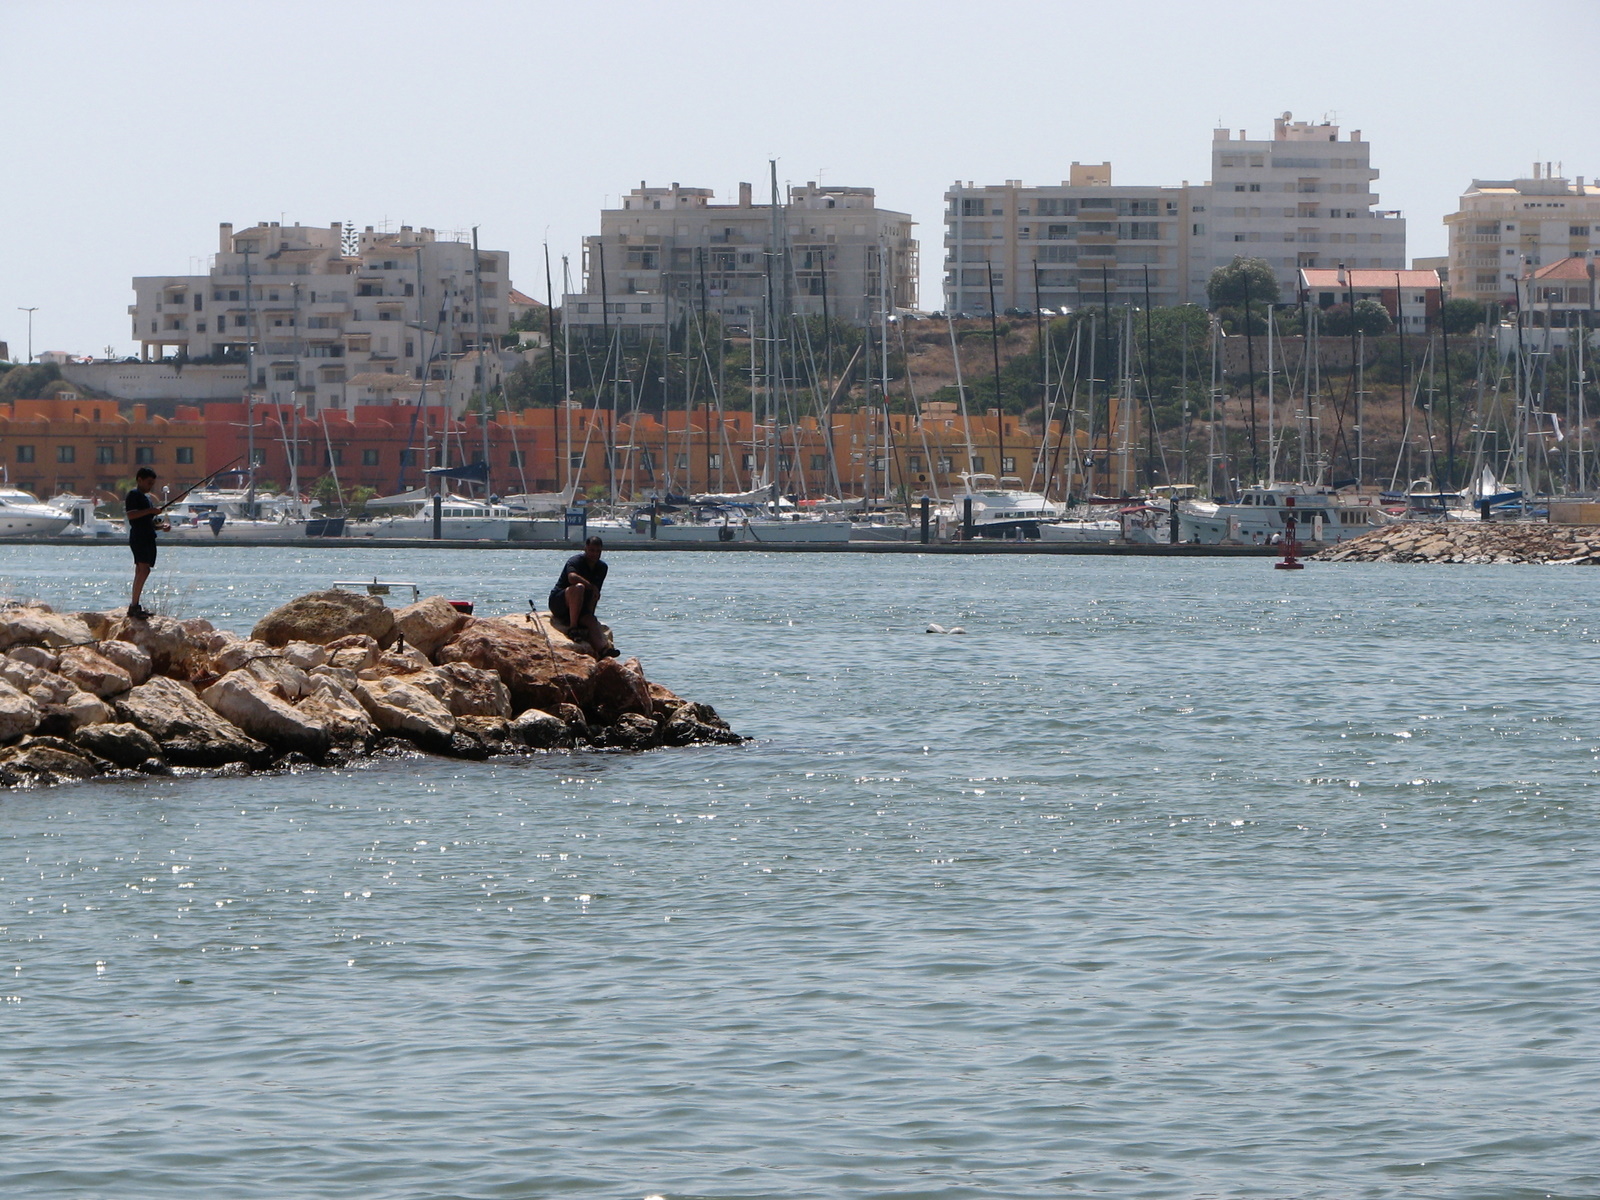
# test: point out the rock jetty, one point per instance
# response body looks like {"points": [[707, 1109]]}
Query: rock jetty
{"points": [[326, 678], [1470, 542]]}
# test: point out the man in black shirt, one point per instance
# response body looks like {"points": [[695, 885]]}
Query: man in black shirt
{"points": [[142, 525], [577, 592]]}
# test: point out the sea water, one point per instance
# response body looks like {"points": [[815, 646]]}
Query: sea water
{"points": [[1166, 879]]}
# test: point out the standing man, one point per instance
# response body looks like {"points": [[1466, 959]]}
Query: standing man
{"points": [[142, 525], [577, 593]]}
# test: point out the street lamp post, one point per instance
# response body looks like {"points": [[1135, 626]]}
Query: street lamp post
{"points": [[30, 312]]}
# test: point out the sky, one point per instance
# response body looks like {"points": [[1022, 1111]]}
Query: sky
{"points": [[134, 127]]}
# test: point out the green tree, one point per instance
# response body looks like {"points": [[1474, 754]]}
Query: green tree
{"points": [[28, 382], [1369, 317], [1461, 315], [1228, 284]]}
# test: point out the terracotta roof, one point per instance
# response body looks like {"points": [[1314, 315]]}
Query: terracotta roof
{"points": [[1568, 268], [1367, 278], [516, 297]]}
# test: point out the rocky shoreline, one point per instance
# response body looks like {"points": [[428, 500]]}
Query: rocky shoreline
{"points": [[327, 678], [1471, 542]]}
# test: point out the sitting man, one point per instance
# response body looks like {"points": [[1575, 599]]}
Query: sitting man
{"points": [[577, 593]]}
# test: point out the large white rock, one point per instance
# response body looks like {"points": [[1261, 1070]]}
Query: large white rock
{"points": [[93, 672], [19, 714], [129, 657], [336, 709], [249, 703], [429, 624], [189, 732], [31, 626], [396, 705]]}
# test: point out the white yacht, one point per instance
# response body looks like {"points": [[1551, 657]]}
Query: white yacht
{"points": [[1320, 515], [999, 510], [85, 522], [460, 518], [22, 513]]}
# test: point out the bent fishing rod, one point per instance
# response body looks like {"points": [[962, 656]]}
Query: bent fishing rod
{"points": [[199, 483]]}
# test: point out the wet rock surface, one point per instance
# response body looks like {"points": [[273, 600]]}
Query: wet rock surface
{"points": [[1473, 542], [324, 679]]}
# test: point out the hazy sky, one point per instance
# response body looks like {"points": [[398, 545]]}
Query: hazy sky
{"points": [[132, 127]]}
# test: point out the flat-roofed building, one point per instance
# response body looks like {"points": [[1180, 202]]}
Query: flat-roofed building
{"points": [[669, 250], [1075, 243], [322, 305], [1301, 198], [1506, 227]]}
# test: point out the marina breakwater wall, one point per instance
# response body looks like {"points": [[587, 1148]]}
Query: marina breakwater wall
{"points": [[326, 678], [1471, 542]]}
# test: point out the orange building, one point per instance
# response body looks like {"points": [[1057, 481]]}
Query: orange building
{"points": [[78, 445], [89, 447]]}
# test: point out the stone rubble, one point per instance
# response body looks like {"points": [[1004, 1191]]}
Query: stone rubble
{"points": [[1471, 542], [326, 678]]}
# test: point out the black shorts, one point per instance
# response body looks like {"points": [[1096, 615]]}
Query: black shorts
{"points": [[144, 552]]}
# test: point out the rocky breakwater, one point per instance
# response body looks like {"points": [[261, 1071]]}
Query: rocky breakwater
{"points": [[1470, 542], [323, 679]]}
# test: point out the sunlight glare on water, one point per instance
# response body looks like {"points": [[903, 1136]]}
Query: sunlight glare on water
{"points": [[1168, 879]]}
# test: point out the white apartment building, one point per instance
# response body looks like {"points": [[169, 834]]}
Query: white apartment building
{"points": [[1081, 242], [1300, 199], [324, 307], [1506, 228], [670, 250]]}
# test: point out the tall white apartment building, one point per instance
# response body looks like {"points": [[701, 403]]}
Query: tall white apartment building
{"points": [[1077, 243], [1302, 198], [669, 250], [330, 312], [1507, 227]]}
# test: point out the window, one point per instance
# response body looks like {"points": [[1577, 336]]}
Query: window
{"points": [[1578, 231], [972, 208], [66, 454], [819, 462], [1238, 187], [184, 456], [283, 374], [24, 454], [335, 456], [1008, 464], [1255, 187], [943, 466], [714, 462], [575, 460], [105, 454], [259, 458], [977, 462], [748, 462], [369, 458]]}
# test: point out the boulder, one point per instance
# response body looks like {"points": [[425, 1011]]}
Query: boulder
{"points": [[695, 723], [617, 687], [305, 655], [466, 691], [396, 705], [100, 624], [395, 661], [174, 649], [118, 742], [250, 703], [539, 671], [240, 653], [630, 731], [664, 702], [354, 652], [540, 730], [188, 731], [336, 709], [129, 657], [345, 679], [19, 713], [42, 762], [93, 672], [35, 626], [44, 686], [280, 677], [322, 617], [429, 624], [84, 708], [221, 639], [572, 717], [34, 656], [493, 734]]}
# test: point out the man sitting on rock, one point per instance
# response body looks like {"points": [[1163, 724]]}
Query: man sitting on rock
{"points": [[577, 593]]}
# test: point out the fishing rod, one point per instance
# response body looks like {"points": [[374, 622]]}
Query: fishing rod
{"points": [[199, 483]]}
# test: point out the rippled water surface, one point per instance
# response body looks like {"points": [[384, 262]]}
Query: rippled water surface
{"points": [[1169, 879]]}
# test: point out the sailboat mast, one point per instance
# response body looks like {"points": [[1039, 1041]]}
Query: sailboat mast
{"points": [[999, 403], [482, 377]]}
